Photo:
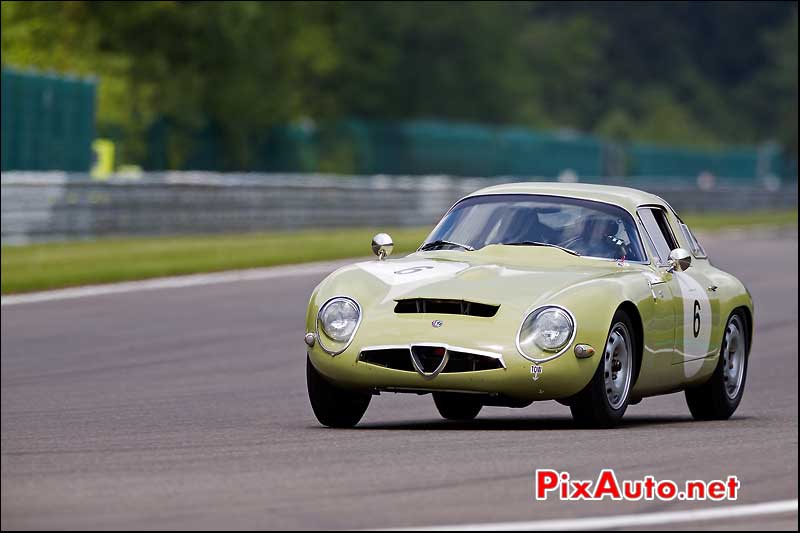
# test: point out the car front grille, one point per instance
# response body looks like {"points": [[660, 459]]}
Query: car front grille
{"points": [[430, 357], [394, 358]]}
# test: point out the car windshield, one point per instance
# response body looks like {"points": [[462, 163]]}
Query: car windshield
{"points": [[583, 227]]}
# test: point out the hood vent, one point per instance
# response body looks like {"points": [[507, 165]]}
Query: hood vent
{"points": [[445, 307]]}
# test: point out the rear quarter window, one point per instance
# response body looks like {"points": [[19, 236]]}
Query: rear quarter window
{"points": [[694, 245]]}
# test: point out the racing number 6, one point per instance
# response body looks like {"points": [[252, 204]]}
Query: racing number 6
{"points": [[696, 321]]}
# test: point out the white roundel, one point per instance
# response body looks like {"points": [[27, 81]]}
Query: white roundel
{"points": [[407, 272], [404, 276], [697, 323]]}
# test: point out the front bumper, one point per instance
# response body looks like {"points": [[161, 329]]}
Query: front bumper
{"points": [[558, 378]]}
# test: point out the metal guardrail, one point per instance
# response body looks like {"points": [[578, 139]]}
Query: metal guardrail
{"points": [[58, 206]]}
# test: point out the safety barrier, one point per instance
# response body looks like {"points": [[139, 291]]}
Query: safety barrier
{"points": [[57, 206]]}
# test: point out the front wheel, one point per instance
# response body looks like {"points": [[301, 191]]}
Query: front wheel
{"points": [[457, 406], [333, 406], [604, 400], [718, 398]]}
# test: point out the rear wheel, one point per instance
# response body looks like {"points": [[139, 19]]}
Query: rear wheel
{"points": [[718, 398], [604, 400], [333, 406], [457, 406]]}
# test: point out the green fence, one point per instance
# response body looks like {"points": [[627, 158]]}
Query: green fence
{"points": [[47, 121], [430, 147], [738, 163], [48, 124], [392, 147], [436, 147]]}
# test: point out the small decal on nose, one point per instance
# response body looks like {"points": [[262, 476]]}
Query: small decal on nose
{"points": [[536, 370], [437, 323]]}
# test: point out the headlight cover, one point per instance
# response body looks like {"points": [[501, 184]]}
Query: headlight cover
{"points": [[546, 329], [339, 318]]}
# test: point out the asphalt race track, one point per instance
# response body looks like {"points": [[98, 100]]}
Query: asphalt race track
{"points": [[187, 408]]}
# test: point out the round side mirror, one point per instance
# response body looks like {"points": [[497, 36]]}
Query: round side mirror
{"points": [[680, 259], [382, 245]]}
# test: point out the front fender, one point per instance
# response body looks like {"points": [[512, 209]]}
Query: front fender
{"points": [[594, 304]]}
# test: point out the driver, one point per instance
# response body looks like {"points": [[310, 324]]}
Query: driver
{"points": [[524, 225], [599, 238]]}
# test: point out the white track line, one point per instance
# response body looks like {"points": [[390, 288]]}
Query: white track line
{"points": [[195, 280], [629, 520]]}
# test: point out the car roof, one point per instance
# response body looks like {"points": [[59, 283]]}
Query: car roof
{"points": [[624, 197]]}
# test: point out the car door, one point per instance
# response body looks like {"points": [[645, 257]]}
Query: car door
{"points": [[696, 307], [660, 337], [702, 342]]}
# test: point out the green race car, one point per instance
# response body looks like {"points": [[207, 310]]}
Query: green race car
{"points": [[594, 296]]}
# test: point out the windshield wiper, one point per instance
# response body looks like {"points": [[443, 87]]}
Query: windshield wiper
{"points": [[435, 244], [537, 243]]}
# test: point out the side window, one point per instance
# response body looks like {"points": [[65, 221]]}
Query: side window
{"points": [[657, 227], [697, 249]]}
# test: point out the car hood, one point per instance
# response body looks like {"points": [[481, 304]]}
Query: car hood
{"points": [[511, 276]]}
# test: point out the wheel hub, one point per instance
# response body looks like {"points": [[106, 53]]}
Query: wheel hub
{"points": [[618, 365], [733, 354]]}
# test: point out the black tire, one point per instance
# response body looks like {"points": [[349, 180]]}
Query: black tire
{"points": [[333, 406], [591, 407], [457, 406], [710, 401]]}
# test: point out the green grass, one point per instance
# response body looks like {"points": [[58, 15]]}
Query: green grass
{"points": [[51, 265], [54, 265], [705, 222]]}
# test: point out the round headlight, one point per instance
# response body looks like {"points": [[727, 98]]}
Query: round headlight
{"points": [[339, 318], [548, 329]]}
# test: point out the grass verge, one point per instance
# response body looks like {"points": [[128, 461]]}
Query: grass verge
{"points": [[64, 264], [706, 222], [55, 265]]}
